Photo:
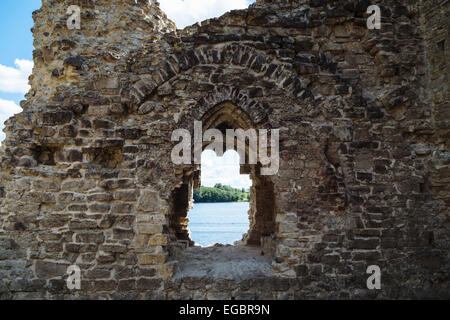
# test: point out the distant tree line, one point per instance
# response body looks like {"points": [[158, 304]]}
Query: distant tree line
{"points": [[221, 193]]}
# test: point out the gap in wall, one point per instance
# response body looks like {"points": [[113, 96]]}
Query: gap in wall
{"points": [[220, 214]]}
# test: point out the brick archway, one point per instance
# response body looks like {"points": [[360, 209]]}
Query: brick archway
{"points": [[223, 116]]}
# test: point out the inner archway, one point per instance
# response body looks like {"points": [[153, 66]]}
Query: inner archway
{"points": [[260, 238]]}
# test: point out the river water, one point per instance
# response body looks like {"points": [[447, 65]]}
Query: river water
{"points": [[222, 223]]}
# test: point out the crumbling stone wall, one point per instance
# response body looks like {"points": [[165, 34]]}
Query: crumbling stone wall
{"points": [[86, 177]]}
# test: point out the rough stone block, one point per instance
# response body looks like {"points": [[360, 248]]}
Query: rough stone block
{"points": [[148, 284], [149, 201], [46, 270], [145, 259]]}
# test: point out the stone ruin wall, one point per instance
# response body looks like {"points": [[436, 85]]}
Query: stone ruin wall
{"points": [[86, 177]]}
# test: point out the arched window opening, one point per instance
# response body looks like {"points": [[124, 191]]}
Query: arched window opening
{"points": [[247, 229], [220, 212]]}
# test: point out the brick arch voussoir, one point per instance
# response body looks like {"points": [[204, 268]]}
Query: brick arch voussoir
{"points": [[240, 98], [254, 109], [272, 70]]}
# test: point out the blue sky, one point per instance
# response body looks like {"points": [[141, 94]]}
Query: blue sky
{"points": [[224, 170], [16, 55], [15, 24]]}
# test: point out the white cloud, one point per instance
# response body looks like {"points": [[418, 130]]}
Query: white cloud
{"points": [[224, 170], [15, 79], [188, 12], [7, 109]]}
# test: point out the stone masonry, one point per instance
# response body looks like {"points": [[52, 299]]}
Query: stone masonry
{"points": [[364, 178]]}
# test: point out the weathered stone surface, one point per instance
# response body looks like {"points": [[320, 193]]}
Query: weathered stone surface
{"points": [[152, 259], [46, 270], [148, 284], [86, 176], [148, 201]]}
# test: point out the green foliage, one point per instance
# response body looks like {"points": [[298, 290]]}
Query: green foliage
{"points": [[221, 193]]}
